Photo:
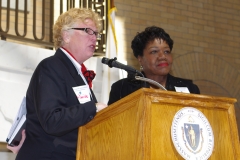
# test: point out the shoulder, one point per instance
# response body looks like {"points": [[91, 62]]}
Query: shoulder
{"points": [[127, 82], [182, 82], [179, 80], [121, 81], [56, 57], [54, 61], [122, 88], [122, 84], [50, 66]]}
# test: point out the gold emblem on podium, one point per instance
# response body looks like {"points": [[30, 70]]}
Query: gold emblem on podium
{"points": [[192, 134]]}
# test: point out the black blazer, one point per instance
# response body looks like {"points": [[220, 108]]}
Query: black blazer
{"points": [[128, 85], [53, 111]]}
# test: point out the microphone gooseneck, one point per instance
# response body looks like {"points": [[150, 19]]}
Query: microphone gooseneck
{"points": [[114, 63], [151, 82]]}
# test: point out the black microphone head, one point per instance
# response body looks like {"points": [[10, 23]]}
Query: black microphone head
{"points": [[105, 60]]}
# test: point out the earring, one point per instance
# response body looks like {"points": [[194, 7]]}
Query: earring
{"points": [[141, 68]]}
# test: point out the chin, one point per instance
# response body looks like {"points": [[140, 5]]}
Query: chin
{"points": [[90, 54], [163, 74]]}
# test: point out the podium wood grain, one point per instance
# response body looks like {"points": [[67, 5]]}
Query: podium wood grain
{"points": [[138, 127]]}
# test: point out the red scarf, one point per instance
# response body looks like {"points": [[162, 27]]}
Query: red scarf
{"points": [[88, 74]]}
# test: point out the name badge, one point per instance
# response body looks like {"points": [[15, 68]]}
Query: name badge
{"points": [[82, 93], [182, 89]]}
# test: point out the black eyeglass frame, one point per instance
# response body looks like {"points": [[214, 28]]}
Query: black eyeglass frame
{"points": [[92, 32]]}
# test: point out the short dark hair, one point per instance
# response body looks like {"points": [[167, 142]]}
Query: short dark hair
{"points": [[149, 34]]}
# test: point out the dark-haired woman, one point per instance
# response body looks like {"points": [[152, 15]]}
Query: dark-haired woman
{"points": [[152, 48]]}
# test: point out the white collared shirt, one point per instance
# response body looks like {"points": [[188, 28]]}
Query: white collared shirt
{"points": [[76, 65]]}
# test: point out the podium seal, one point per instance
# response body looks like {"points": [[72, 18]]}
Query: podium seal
{"points": [[192, 134]]}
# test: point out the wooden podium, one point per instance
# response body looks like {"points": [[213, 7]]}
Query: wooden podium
{"points": [[138, 127]]}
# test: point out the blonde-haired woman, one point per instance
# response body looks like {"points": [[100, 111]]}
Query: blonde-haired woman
{"points": [[59, 97]]}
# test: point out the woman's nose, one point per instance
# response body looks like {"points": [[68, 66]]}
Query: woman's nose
{"points": [[93, 37], [161, 55]]}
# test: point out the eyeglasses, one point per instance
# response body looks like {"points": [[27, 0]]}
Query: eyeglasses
{"points": [[89, 31]]}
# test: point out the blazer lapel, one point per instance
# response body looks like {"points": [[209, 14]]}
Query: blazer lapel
{"points": [[67, 62]]}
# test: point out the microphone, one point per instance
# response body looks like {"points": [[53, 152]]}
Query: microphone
{"points": [[113, 63]]}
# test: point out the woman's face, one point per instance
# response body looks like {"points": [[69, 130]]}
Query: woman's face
{"points": [[156, 59], [81, 44]]}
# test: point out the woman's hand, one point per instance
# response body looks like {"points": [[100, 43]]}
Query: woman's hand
{"points": [[15, 149], [100, 106]]}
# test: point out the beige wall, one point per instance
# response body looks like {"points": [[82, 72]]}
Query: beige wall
{"points": [[206, 36]]}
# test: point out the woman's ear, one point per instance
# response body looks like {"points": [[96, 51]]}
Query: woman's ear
{"points": [[66, 36], [139, 60]]}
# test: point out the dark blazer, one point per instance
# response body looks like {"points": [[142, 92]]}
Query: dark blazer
{"points": [[53, 111], [128, 85]]}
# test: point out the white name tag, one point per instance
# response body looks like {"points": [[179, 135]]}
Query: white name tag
{"points": [[82, 93], [182, 89]]}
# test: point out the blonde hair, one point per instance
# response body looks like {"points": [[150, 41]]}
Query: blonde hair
{"points": [[67, 19]]}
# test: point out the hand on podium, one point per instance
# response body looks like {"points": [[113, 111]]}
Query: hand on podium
{"points": [[100, 106]]}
